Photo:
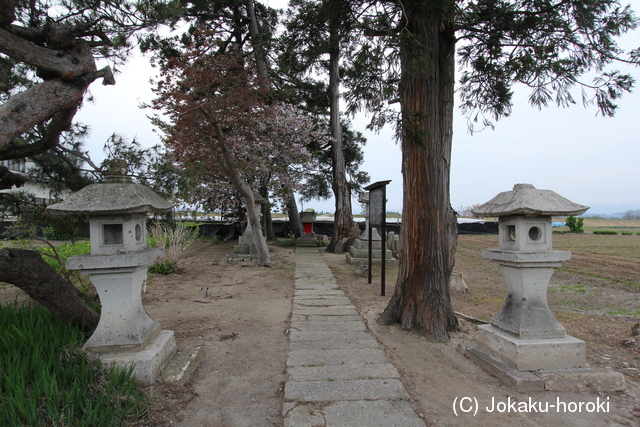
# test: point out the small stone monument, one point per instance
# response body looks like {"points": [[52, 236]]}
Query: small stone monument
{"points": [[246, 249], [525, 336], [359, 252], [117, 266]]}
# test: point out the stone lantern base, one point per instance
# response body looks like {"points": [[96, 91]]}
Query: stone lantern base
{"points": [[147, 363], [532, 354], [126, 335], [553, 379]]}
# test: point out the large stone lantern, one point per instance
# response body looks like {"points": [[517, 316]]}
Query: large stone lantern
{"points": [[117, 266], [525, 334]]}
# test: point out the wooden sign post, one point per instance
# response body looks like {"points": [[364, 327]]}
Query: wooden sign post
{"points": [[378, 218]]}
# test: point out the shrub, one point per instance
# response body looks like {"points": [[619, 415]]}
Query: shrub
{"points": [[576, 225], [215, 239], [47, 379], [164, 267], [627, 233], [611, 232], [173, 240]]}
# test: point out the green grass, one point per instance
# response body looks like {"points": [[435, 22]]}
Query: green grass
{"points": [[610, 232], [619, 311], [46, 380]]}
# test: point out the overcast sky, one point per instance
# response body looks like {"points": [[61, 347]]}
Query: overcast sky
{"points": [[587, 158]]}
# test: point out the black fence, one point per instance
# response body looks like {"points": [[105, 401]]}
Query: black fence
{"points": [[227, 232]]}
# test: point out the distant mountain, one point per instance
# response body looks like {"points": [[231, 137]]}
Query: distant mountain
{"points": [[617, 215], [611, 210]]}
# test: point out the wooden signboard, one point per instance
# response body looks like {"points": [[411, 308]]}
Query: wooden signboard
{"points": [[378, 219]]}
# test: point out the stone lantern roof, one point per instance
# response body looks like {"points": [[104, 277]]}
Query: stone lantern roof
{"points": [[112, 199], [527, 200], [119, 195]]}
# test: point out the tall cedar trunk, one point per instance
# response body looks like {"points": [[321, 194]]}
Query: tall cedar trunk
{"points": [[28, 271], [429, 230], [294, 215], [343, 218]]}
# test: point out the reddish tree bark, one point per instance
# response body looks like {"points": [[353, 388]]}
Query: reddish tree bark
{"points": [[27, 270], [429, 230]]}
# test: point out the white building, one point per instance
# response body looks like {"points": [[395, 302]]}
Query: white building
{"points": [[40, 191]]}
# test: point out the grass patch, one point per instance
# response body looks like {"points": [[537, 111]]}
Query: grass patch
{"points": [[609, 232], [164, 267], [47, 379]]}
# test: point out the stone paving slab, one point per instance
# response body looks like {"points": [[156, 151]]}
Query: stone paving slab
{"points": [[332, 390], [328, 345], [343, 372], [325, 311], [318, 287], [322, 318], [317, 294], [322, 302], [377, 413], [337, 373], [335, 356], [331, 337], [382, 413], [346, 326]]}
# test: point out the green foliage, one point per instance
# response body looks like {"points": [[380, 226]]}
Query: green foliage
{"points": [[47, 379], [627, 233], [33, 223], [164, 267], [576, 225], [606, 232], [546, 48], [215, 239], [64, 252]]}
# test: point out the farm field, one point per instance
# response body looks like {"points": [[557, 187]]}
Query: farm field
{"points": [[595, 295]]}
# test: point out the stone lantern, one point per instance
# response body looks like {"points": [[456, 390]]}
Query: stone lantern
{"points": [[525, 334], [117, 266]]}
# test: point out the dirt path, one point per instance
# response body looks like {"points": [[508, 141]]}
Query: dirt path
{"points": [[242, 327]]}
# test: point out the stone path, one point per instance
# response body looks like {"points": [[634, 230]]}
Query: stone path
{"points": [[338, 375]]}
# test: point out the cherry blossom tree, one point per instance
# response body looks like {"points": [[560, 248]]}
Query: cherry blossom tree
{"points": [[218, 115]]}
